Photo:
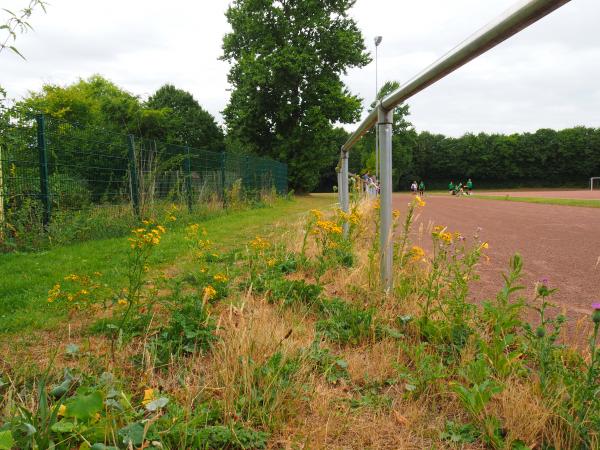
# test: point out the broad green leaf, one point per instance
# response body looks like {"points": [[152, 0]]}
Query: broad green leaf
{"points": [[132, 434], [85, 406], [63, 426], [6, 440]]}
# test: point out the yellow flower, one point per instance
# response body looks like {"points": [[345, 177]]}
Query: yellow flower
{"points": [[72, 277], [446, 237], [161, 228], [317, 214], [417, 253], [419, 201], [62, 410], [271, 262], [122, 302], [220, 278], [258, 243], [148, 396], [485, 245], [209, 292], [396, 214]]}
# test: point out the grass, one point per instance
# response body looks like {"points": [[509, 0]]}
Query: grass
{"points": [[295, 349], [27, 277], [544, 201]]}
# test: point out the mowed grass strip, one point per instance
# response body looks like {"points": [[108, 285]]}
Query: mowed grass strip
{"points": [[25, 278], [546, 201]]}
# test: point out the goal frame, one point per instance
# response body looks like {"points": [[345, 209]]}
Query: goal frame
{"points": [[592, 182]]}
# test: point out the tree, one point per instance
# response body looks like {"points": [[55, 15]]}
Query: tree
{"points": [[187, 122], [287, 58], [18, 23]]}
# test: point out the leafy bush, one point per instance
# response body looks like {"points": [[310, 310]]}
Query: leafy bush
{"points": [[344, 323]]}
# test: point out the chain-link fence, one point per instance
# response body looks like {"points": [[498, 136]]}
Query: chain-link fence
{"points": [[49, 167]]}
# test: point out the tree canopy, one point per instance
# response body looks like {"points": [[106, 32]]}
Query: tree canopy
{"points": [[287, 60], [186, 122]]}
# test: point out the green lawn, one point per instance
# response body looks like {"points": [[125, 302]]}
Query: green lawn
{"points": [[546, 201], [25, 278]]}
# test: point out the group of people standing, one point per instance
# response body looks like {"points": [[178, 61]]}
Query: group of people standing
{"points": [[371, 185], [418, 188], [460, 188]]}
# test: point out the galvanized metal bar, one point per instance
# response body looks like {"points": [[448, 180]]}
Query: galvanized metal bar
{"points": [[385, 121], [508, 24], [345, 193], [44, 177]]}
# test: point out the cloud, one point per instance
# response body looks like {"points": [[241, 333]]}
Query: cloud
{"points": [[544, 77]]}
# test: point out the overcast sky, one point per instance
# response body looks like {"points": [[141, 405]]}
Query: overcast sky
{"points": [[547, 76]]}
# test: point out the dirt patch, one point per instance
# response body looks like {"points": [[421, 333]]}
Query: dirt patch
{"points": [[561, 243]]}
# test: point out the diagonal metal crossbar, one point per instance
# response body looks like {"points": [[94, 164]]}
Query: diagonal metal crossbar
{"points": [[519, 17]]}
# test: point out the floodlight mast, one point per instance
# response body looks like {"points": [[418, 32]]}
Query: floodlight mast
{"points": [[519, 17]]}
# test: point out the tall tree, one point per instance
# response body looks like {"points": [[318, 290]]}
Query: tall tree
{"points": [[287, 58], [187, 122]]}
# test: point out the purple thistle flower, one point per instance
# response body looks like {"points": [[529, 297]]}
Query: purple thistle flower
{"points": [[596, 306], [544, 281]]}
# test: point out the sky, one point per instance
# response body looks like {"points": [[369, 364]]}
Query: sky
{"points": [[545, 77]]}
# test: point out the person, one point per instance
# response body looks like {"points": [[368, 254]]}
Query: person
{"points": [[413, 187], [422, 188], [365, 179], [469, 186], [459, 189], [451, 187]]}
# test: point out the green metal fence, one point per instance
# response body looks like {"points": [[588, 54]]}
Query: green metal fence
{"points": [[49, 165]]}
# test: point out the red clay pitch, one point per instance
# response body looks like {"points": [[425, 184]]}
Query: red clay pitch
{"points": [[560, 243], [574, 194]]}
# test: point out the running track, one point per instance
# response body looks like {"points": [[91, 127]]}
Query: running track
{"points": [[561, 243]]}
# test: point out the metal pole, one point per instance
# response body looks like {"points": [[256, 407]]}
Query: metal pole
{"points": [[377, 156], [44, 178], [385, 119], [135, 185], [339, 185], [345, 195], [188, 177], [1, 197], [223, 199]]}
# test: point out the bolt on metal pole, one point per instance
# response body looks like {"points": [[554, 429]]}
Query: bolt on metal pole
{"points": [[345, 194], [384, 123]]}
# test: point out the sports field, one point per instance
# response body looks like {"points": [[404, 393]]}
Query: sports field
{"points": [[560, 243]]}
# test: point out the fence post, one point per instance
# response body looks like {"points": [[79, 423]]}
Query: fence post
{"points": [[384, 122], [135, 186], [223, 199], [188, 177], [44, 178], [345, 194]]}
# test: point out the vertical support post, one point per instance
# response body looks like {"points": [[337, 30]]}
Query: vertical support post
{"points": [[44, 178], [339, 184], [188, 177], [222, 163], [384, 123], [345, 194], [2, 219], [133, 175]]}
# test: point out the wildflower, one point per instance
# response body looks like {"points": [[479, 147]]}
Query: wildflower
{"points": [[258, 243], [62, 410], [596, 314], [220, 278], [84, 292], [161, 229], [446, 237], [271, 262], [72, 277], [149, 395], [417, 253], [209, 292], [122, 302], [396, 214], [419, 201], [317, 214], [484, 246], [171, 218]]}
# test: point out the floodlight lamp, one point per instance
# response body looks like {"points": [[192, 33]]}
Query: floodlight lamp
{"points": [[378, 40]]}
